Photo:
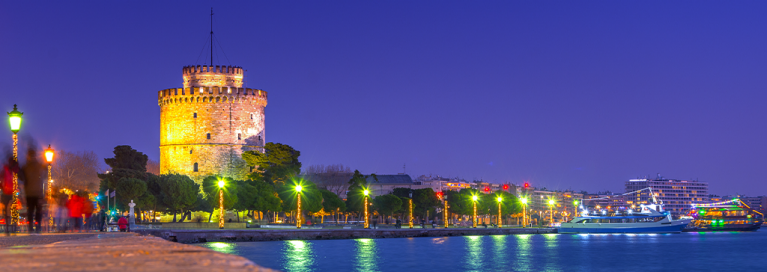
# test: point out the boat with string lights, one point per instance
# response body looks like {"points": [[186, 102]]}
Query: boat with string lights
{"points": [[731, 215], [650, 218]]}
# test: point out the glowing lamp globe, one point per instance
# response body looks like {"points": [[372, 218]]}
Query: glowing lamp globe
{"points": [[49, 154], [499, 199], [524, 200], [551, 202], [221, 184], [474, 198], [299, 188], [14, 118], [366, 192]]}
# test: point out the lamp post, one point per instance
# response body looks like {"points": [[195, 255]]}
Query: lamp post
{"points": [[524, 211], [298, 204], [551, 211], [221, 184], [367, 223], [49, 159], [575, 208], [446, 217], [410, 207], [474, 220], [499, 211], [14, 118]]}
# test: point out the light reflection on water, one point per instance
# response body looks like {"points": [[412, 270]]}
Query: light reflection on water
{"points": [[298, 256], [367, 255], [531, 252]]}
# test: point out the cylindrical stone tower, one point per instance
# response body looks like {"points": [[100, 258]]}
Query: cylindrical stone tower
{"points": [[206, 125]]}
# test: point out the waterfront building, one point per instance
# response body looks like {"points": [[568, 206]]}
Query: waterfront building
{"points": [[385, 184], [676, 195]]}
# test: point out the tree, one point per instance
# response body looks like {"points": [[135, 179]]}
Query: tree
{"points": [[278, 164], [258, 196], [402, 192], [387, 204], [127, 158], [334, 177], [332, 203], [76, 171], [424, 200], [211, 189], [355, 196], [129, 189], [178, 192], [311, 198], [509, 205]]}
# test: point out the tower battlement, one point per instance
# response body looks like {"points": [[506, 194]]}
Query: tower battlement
{"points": [[212, 75]]}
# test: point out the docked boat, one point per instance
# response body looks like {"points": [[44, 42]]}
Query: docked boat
{"points": [[731, 215], [650, 219]]}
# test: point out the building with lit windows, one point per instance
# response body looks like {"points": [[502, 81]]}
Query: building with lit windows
{"points": [[676, 195]]}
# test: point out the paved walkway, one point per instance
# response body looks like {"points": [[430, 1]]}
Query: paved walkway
{"points": [[112, 252]]}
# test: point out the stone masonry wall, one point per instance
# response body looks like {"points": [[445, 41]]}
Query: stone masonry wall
{"points": [[234, 118]]}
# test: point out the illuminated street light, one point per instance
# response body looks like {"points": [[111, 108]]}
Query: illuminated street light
{"points": [[221, 185], [14, 118], [298, 204], [367, 223], [551, 212], [49, 159], [524, 211], [410, 207], [445, 213], [499, 211], [474, 220]]}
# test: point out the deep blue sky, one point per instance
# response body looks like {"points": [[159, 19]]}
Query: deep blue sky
{"points": [[561, 94]]}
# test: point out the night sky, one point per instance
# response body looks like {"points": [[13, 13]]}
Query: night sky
{"points": [[565, 95]]}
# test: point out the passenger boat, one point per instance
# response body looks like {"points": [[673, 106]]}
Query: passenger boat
{"points": [[731, 215], [650, 219]]}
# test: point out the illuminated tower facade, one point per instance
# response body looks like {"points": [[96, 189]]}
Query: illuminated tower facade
{"points": [[206, 125]]}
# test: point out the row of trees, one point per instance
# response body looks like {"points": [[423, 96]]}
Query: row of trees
{"points": [[271, 186]]}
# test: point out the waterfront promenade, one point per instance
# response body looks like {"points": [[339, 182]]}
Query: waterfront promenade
{"points": [[253, 235], [112, 252]]}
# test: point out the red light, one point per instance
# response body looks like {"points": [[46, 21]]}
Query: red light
{"points": [[439, 194], [487, 189], [505, 186], [527, 185]]}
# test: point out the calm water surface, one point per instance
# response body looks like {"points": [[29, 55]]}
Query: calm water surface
{"points": [[716, 251]]}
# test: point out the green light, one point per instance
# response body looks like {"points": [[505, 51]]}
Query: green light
{"points": [[523, 200], [474, 197], [14, 117], [575, 202], [221, 184], [299, 188], [366, 192], [551, 202], [500, 199]]}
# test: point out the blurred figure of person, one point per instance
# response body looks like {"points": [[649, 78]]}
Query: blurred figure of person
{"points": [[9, 169], [123, 223], [87, 211], [62, 213], [33, 185], [102, 219], [75, 206]]}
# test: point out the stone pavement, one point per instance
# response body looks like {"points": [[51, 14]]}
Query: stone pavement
{"points": [[112, 252]]}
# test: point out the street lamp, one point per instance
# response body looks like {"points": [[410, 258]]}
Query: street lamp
{"points": [[221, 184], [367, 223], [49, 159], [410, 207], [14, 118], [499, 211], [551, 212], [474, 220], [524, 211], [446, 216], [298, 204]]}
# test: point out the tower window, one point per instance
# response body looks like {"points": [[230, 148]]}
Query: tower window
{"points": [[251, 116], [195, 167], [208, 136], [195, 115], [190, 151], [238, 136]]}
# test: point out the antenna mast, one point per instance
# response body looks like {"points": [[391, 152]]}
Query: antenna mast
{"points": [[211, 36]]}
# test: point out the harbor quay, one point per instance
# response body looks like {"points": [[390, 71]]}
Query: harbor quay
{"points": [[223, 235]]}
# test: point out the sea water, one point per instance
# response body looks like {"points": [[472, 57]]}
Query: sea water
{"points": [[712, 251]]}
